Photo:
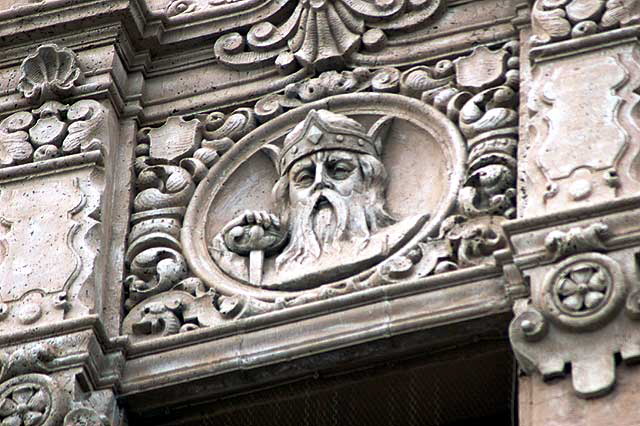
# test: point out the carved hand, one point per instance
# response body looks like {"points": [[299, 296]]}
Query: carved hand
{"points": [[254, 231]]}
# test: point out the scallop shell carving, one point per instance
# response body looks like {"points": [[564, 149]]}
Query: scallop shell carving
{"points": [[50, 72]]}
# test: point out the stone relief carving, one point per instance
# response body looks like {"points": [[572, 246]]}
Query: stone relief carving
{"points": [[54, 202], [586, 298], [31, 399], [322, 34], [50, 131], [35, 390], [176, 161], [183, 7], [31, 222], [331, 198], [54, 129], [560, 244], [48, 73], [560, 20], [558, 110]]}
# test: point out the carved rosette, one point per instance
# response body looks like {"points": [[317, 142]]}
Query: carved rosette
{"points": [[585, 301], [31, 400], [175, 286], [584, 291], [39, 387]]}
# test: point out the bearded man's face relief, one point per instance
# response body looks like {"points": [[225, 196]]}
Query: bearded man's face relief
{"points": [[332, 196], [330, 200]]}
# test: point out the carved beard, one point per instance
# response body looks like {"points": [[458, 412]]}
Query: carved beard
{"points": [[322, 223]]}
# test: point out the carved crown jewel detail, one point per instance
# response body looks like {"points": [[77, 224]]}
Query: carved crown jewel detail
{"points": [[323, 130]]}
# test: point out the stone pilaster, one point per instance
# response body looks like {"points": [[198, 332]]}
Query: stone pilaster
{"points": [[57, 363], [575, 241]]}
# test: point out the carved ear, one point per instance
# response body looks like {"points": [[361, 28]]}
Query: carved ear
{"points": [[273, 152], [379, 131]]}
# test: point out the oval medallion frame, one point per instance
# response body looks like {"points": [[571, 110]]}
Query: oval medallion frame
{"points": [[437, 125]]}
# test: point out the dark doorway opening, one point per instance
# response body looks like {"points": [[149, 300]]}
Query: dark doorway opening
{"points": [[470, 386]]}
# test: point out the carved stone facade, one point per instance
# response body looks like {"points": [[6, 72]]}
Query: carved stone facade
{"points": [[202, 199]]}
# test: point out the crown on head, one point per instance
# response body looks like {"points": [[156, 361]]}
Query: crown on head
{"points": [[324, 130]]}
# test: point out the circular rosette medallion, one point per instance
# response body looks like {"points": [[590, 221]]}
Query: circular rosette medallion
{"points": [[31, 400], [584, 291], [323, 194]]}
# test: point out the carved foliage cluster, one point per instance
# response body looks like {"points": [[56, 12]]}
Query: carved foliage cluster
{"points": [[477, 92], [555, 20], [171, 160], [53, 129], [323, 33]]}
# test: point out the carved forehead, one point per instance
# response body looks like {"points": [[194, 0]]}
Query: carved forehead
{"points": [[323, 156]]}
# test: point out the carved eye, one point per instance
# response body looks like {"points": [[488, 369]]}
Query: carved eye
{"points": [[340, 170], [304, 177]]}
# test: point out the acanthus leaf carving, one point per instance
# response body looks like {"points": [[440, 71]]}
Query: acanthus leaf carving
{"points": [[85, 117], [322, 34], [559, 20], [14, 145]]}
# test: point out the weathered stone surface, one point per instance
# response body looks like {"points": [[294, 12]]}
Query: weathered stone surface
{"points": [[582, 144], [296, 178], [49, 236]]}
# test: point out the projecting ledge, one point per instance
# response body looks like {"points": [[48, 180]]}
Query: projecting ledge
{"points": [[434, 308]]}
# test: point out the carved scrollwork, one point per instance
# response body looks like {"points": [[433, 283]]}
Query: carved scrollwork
{"points": [[50, 131], [481, 101], [185, 150], [560, 20], [322, 34], [184, 7]]}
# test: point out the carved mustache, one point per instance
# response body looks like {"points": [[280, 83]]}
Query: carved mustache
{"points": [[319, 198]]}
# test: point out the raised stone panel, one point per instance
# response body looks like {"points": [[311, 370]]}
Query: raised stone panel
{"points": [[49, 234], [583, 139]]}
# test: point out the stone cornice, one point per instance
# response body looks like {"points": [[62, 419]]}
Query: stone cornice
{"points": [[304, 331]]}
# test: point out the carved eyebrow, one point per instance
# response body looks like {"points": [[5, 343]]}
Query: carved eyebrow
{"points": [[302, 164], [340, 156]]}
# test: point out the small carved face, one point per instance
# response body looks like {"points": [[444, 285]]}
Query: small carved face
{"points": [[332, 170]]}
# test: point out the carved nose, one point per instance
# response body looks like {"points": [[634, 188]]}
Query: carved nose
{"points": [[320, 181]]}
